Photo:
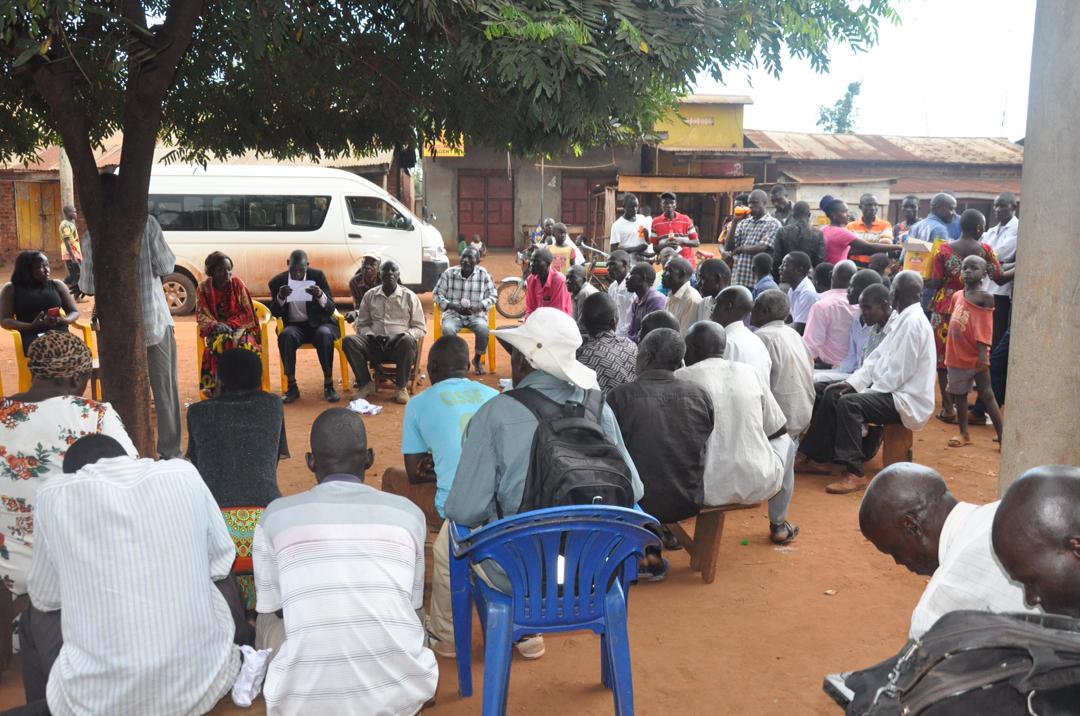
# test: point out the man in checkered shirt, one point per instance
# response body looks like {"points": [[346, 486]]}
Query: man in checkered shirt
{"points": [[465, 294], [753, 235]]}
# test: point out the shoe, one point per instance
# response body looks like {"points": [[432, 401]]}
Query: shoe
{"points": [[330, 394], [850, 483], [445, 649], [783, 533], [402, 396], [656, 573], [291, 395], [531, 647], [478, 365], [366, 390]]}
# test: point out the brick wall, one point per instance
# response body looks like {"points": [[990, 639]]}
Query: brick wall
{"points": [[9, 227]]}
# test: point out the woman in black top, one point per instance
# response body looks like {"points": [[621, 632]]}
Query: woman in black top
{"points": [[31, 303]]}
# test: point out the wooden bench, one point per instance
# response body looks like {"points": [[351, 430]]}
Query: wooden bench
{"points": [[704, 546], [896, 445]]}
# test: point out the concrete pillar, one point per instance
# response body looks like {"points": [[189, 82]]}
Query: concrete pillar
{"points": [[67, 183], [1042, 424]]}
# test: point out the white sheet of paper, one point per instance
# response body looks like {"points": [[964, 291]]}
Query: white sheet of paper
{"points": [[299, 291]]}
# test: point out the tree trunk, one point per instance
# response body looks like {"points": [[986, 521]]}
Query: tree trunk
{"points": [[116, 227]]}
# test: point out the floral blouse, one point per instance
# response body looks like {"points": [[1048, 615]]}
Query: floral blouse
{"points": [[33, 440]]}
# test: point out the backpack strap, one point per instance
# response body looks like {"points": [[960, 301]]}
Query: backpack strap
{"points": [[594, 406], [538, 404]]}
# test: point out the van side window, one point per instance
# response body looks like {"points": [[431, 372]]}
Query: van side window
{"points": [[178, 212], [225, 213], [373, 211], [286, 213]]}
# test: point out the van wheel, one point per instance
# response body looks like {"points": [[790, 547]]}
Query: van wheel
{"points": [[179, 293]]}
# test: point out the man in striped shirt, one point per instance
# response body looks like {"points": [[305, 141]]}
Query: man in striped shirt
{"points": [[145, 629], [343, 566]]}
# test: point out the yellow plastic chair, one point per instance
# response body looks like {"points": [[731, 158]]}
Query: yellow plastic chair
{"points": [[491, 335], [24, 369], [262, 314], [338, 346]]}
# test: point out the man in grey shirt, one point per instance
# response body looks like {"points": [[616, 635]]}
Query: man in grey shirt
{"points": [[498, 440], [156, 260]]}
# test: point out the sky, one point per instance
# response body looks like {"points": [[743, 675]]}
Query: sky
{"points": [[953, 68]]}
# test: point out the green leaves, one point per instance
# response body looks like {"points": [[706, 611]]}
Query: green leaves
{"points": [[840, 118], [295, 78]]}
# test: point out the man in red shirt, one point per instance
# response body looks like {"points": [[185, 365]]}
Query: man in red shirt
{"points": [[674, 229], [546, 288]]}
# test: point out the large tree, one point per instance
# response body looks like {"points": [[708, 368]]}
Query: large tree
{"points": [[317, 78]]}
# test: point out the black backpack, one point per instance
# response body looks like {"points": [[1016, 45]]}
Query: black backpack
{"points": [[572, 461], [977, 663]]}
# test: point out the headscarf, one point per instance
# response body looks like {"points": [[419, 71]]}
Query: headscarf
{"points": [[827, 202], [56, 355]]}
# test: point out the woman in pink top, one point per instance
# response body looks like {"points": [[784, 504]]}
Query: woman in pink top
{"points": [[839, 240]]}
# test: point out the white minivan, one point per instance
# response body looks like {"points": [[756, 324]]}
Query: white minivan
{"points": [[259, 214]]}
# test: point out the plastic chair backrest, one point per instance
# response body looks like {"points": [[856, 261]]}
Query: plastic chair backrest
{"points": [[594, 544]]}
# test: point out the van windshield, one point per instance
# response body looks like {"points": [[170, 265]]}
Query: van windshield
{"points": [[217, 212]]}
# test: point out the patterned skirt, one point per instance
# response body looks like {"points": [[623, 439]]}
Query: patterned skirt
{"points": [[241, 522]]}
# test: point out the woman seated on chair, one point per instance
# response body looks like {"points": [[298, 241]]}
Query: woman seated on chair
{"points": [[31, 304], [226, 316], [36, 429], [235, 440]]}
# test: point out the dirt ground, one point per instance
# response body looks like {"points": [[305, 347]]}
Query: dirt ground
{"points": [[758, 640]]}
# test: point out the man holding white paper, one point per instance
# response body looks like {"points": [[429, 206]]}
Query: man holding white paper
{"points": [[302, 298]]}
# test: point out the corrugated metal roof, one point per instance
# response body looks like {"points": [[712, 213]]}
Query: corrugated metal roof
{"points": [[960, 186], [716, 99], [826, 178], [888, 148]]}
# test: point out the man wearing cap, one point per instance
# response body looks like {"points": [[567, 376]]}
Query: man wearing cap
{"points": [[498, 440], [674, 229], [490, 478]]}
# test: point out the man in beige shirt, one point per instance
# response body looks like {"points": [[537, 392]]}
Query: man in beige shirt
{"points": [[389, 327], [683, 299]]}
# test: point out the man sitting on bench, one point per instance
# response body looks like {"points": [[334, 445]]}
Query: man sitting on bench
{"points": [[749, 445], [895, 384], [669, 453]]}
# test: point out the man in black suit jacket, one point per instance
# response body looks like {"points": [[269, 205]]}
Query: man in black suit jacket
{"points": [[305, 322]]}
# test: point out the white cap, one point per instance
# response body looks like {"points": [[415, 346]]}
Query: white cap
{"points": [[549, 340]]}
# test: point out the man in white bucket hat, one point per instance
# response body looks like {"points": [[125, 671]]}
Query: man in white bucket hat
{"points": [[498, 440]]}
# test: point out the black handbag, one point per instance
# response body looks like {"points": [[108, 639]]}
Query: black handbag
{"points": [[973, 662]]}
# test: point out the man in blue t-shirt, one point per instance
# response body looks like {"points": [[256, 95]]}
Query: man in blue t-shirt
{"points": [[435, 421]]}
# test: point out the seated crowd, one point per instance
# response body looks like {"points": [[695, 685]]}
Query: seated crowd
{"points": [[705, 392]]}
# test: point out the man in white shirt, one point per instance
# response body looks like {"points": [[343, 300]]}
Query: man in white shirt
{"points": [[339, 572], [618, 266], [145, 629], [683, 299], [749, 445], [630, 232], [895, 384], [795, 272], [792, 383], [909, 514], [732, 311], [1002, 239], [713, 277]]}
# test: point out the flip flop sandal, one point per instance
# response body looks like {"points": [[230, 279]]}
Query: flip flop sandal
{"points": [[792, 533], [958, 443], [945, 418]]}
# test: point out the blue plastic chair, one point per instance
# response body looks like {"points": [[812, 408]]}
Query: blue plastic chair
{"points": [[600, 547]]}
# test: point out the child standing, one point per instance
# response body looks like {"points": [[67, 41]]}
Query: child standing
{"points": [[967, 350]]}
